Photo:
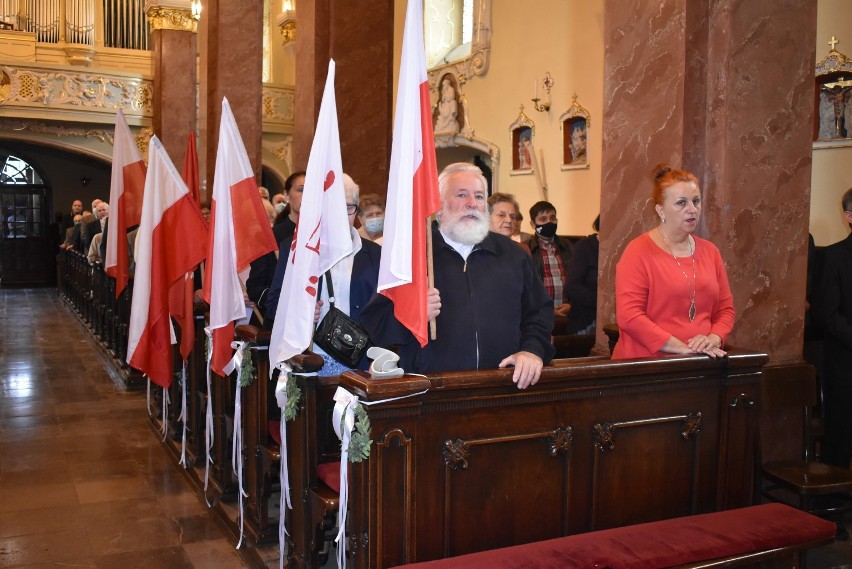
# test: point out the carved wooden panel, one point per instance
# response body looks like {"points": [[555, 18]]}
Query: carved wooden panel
{"points": [[645, 469], [481, 489], [394, 501]]}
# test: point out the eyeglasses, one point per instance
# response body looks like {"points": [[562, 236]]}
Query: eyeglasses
{"points": [[351, 208]]}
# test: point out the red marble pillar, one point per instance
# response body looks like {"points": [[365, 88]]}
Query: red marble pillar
{"points": [[233, 68], [173, 43], [358, 35], [723, 87]]}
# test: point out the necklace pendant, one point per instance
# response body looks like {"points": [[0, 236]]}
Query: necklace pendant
{"points": [[692, 311]]}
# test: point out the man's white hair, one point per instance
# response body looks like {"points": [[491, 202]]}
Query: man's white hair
{"points": [[457, 167], [353, 192]]}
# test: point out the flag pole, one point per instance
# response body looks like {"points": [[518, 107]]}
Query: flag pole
{"points": [[430, 272], [253, 305]]}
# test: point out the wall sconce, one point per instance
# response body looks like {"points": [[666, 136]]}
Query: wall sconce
{"points": [[287, 21], [547, 82], [195, 9]]}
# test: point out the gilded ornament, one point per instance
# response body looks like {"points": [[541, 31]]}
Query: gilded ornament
{"points": [[179, 19], [288, 32]]}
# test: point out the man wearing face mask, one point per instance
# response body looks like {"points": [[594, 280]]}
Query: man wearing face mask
{"points": [[551, 254], [371, 214]]}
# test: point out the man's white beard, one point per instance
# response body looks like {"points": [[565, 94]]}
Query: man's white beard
{"points": [[467, 231]]}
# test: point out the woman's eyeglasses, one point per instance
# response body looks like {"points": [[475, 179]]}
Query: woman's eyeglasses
{"points": [[351, 208]]}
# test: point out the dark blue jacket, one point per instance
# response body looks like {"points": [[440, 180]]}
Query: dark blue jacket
{"points": [[492, 306]]}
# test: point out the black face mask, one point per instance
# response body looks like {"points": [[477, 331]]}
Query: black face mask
{"points": [[547, 230]]}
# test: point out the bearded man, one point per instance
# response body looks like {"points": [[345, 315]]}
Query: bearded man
{"points": [[490, 306]]}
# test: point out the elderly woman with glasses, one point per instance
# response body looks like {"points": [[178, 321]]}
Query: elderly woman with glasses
{"points": [[505, 213], [353, 278]]}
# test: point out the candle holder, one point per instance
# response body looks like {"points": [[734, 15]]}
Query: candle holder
{"points": [[547, 82]]}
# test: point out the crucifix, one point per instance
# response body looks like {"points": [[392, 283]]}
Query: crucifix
{"points": [[833, 42]]}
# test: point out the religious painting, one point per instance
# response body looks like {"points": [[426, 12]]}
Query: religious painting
{"points": [[522, 138], [833, 100], [575, 123]]}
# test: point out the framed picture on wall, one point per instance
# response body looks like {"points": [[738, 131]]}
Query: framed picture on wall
{"points": [[522, 144], [575, 123]]}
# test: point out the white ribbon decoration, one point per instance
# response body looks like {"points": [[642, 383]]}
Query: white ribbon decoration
{"points": [[345, 407], [165, 413], [344, 412], [283, 473], [208, 423], [236, 363], [182, 416]]}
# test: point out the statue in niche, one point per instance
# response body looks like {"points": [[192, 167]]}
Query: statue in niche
{"points": [[835, 108], [447, 109]]}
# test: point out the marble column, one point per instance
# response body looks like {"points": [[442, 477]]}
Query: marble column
{"points": [[358, 35], [724, 88], [173, 43], [231, 66]]}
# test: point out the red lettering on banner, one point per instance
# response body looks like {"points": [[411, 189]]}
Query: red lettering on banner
{"points": [[312, 290], [314, 248], [293, 245], [329, 180]]}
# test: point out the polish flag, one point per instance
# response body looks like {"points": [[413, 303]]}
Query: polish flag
{"points": [[182, 291], [170, 242], [240, 233], [125, 201], [412, 185], [322, 238]]}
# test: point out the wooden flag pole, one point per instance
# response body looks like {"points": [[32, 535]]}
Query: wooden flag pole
{"points": [[253, 305], [430, 272]]}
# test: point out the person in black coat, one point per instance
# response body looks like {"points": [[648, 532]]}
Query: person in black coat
{"points": [[490, 307], [834, 313], [582, 284]]}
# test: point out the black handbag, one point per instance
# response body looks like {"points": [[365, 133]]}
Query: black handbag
{"points": [[340, 336]]}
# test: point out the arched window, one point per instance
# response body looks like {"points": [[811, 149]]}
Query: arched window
{"points": [[25, 248], [17, 171], [448, 30]]}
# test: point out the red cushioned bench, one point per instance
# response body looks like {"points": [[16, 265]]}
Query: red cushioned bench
{"points": [[733, 538]]}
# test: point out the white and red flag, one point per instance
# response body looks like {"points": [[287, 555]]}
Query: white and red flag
{"points": [[170, 242], [239, 234], [125, 200], [182, 291], [321, 239], [412, 185]]}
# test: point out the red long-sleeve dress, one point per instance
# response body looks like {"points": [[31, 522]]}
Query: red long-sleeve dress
{"points": [[652, 297]]}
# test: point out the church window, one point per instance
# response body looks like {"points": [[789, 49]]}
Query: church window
{"points": [[448, 29]]}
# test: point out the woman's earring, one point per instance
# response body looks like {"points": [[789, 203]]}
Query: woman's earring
{"points": [[664, 219]]}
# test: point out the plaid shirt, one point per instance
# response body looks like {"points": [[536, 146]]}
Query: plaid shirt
{"points": [[554, 271]]}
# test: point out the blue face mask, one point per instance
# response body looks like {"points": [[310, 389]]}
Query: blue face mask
{"points": [[375, 225]]}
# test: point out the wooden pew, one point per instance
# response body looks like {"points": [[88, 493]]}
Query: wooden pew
{"points": [[771, 535], [475, 464]]}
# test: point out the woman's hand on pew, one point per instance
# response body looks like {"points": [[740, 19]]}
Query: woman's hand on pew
{"points": [[527, 368]]}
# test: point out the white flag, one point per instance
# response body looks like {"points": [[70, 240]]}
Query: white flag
{"points": [[322, 237]]}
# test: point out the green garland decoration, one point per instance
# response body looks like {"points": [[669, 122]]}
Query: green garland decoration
{"points": [[359, 442], [247, 368], [294, 396]]}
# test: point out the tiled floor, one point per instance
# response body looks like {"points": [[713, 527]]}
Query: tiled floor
{"points": [[84, 481]]}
